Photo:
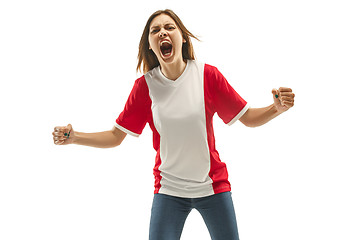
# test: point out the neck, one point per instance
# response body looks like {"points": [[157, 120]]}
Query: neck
{"points": [[173, 70]]}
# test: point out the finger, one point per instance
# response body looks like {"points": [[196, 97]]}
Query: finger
{"points": [[58, 142], [288, 104], [59, 129], [284, 89], [289, 99], [60, 137], [288, 94], [58, 134]]}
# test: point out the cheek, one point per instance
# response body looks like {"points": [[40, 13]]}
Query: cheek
{"points": [[179, 39], [151, 43]]}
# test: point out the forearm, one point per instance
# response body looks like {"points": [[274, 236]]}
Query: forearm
{"points": [[255, 117], [105, 139]]}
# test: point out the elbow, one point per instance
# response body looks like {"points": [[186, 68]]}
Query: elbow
{"points": [[119, 141], [114, 143], [119, 137], [251, 125], [248, 123], [248, 120]]}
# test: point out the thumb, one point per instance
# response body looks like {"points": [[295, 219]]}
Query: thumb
{"points": [[68, 130], [275, 93]]}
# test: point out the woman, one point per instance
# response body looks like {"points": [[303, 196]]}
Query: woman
{"points": [[178, 97]]}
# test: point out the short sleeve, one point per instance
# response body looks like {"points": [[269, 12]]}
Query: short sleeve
{"points": [[228, 104], [135, 115]]}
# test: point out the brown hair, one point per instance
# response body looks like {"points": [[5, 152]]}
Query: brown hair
{"points": [[147, 58]]}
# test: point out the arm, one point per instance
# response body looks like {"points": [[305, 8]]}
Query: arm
{"points": [[255, 117], [105, 139], [283, 101]]}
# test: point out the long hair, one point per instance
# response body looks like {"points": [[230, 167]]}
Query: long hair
{"points": [[147, 58]]}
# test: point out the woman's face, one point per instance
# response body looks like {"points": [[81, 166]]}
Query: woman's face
{"points": [[165, 39]]}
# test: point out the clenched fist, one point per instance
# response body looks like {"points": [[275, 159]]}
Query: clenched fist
{"points": [[283, 98], [63, 135]]}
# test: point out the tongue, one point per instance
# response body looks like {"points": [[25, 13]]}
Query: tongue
{"points": [[166, 49]]}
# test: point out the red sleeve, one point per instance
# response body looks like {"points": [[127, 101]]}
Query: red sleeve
{"points": [[228, 104], [135, 115]]}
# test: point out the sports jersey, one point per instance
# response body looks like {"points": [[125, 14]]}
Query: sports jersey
{"points": [[180, 114]]}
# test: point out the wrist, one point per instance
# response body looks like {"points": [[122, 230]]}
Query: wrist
{"points": [[277, 109], [75, 137]]}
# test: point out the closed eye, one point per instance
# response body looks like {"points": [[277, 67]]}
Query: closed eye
{"points": [[155, 30], [167, 27]]}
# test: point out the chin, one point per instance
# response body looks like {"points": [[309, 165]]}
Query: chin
{"points": [[171, 59]]}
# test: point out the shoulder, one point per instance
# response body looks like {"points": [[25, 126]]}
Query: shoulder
{"points": [[140, 80], [211, 68], [212, 73], [153, 73], [207, 69], [140, 86]]}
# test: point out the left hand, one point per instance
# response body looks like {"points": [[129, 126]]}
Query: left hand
{"points": [[283, 99]]}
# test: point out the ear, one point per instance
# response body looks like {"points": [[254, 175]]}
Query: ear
{"points": [[184, 41]]}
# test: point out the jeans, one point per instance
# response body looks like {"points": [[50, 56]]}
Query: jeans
{"points": [[168, 215]]}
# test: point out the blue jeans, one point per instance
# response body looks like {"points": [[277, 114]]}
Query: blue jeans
{"points": [[168, 215]]}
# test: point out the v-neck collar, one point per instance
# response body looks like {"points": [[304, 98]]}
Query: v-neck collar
{"points": [[176, 82]]}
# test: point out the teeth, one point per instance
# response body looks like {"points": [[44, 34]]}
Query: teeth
{"points": [[165, 41]]}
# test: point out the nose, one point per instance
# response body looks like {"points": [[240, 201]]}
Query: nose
{"points": [[162, 34]]}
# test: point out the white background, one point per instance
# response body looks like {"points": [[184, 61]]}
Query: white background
{"points": [[74, 62]]}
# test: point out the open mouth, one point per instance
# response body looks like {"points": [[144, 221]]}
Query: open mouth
{"points": [[166, 48]]}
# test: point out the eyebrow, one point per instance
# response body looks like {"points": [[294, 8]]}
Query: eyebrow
{"points": [[166, 24]]}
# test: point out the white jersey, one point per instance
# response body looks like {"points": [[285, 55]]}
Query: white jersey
{"points": [[180, 115]]}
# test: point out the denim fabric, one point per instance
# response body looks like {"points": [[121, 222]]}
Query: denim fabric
{"points": [[168, 215]]}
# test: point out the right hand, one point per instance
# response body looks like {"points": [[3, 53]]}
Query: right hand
{"points": [[63, 135]]}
